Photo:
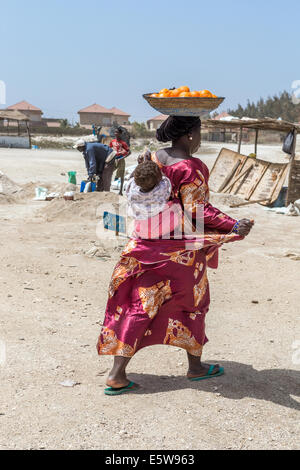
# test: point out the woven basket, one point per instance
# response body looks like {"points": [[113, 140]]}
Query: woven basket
{"points": [[188, 106]]}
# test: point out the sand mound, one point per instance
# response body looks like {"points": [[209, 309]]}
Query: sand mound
{"points": [[28, 190], [226, 200], [88, 206], [8, 189], [4, 199]]}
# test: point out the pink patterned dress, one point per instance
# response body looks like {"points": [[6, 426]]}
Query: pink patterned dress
{"points": [[159, 291]]}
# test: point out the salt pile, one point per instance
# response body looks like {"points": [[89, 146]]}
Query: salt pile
{"points": [[89, 206], [7, 186], [8, 189]]}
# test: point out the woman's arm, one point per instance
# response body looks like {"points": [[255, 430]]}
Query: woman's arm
{"points": [[216, 219], [194, 196]]}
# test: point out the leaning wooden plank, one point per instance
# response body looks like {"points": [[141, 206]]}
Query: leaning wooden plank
{"points": [[256, 183], [246, 203], [242, 189], [229, 177], [271, 182], [244, 173], [279, 183], [226, 160], [244, 179]]}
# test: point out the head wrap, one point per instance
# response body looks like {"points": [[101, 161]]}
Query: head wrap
{"points": [[175, 127]]}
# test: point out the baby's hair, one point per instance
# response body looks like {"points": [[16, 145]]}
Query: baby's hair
{"points": [[147, 175]]}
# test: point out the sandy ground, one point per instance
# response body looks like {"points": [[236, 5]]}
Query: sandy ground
{"points": [[52, 303]]}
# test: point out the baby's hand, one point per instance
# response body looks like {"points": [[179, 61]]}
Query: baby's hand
{"points": [[144, 157]]}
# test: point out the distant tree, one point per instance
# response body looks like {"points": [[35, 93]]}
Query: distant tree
{"points": [[140, 130], [64, 123], [274, 107]]}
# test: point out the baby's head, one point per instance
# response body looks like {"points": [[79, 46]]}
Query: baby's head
{"points": [[147, 175]]}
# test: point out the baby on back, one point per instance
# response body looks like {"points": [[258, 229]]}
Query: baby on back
{"points": [[148, 193]]}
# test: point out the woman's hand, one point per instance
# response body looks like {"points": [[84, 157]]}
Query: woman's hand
{"points": [[245, 225]]}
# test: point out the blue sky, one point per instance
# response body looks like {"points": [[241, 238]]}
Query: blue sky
{"points": [[62, 55]]}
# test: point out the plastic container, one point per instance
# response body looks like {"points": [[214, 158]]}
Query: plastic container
{"points": [[72, 177], [83, 185]]}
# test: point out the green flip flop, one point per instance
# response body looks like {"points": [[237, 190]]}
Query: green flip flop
{"points": [[119, 391], [209, 374]]}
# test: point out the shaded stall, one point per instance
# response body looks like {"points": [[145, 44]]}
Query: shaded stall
{"points": [[267, 124], [14, 129]]}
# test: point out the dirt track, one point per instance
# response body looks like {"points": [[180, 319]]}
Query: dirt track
{"points": [[53, 299]]}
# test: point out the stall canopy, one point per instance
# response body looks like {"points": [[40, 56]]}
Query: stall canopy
{"points": [[13, 115], [7, 116], [266, 124]]}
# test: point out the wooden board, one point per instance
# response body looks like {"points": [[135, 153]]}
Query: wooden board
{"points": [[262, 181], [271, 182], [223, 165]]}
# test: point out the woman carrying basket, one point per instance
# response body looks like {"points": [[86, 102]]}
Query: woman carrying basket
{"points": [[159, 291]]}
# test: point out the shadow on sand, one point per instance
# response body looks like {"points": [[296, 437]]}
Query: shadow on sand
{"points": [[240, 381]]}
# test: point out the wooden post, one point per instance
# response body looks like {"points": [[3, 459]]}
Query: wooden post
{"points": [[256, 141], [240, 140], [292, 192], [28, 131]]}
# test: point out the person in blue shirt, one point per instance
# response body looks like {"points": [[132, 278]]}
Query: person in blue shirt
{"points": [[98, 157]]}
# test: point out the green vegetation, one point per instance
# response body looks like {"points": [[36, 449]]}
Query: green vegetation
{"points": [[273, 107], [64, 124], [140, 130]]}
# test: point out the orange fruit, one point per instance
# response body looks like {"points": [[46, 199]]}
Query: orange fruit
{"points": [[195, 94], [164, 90], [184, 89], [205, 94], [163, 95], [214, 96], [174, 93], [185, 94], [154, 95]]}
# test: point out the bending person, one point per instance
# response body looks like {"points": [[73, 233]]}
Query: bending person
{"points": [[97, 156]]}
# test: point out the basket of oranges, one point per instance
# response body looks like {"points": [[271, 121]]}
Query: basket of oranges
{"points": [[183, 102]]}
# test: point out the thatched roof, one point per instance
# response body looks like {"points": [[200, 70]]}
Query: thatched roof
{"points": [[266, 124], [14, 115]]}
